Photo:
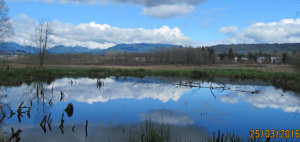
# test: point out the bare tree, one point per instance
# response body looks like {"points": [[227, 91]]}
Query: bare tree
{"points": [[6, 29], [43, 38]]}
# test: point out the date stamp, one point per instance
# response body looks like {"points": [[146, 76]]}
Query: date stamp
{"points": [[271, 133]]}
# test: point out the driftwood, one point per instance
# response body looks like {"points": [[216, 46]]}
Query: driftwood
{"points": [[15, 134], [11, 113], [50, 103], [43, 124], [69, 110], [86, 124], [49, 123], [211, 90], [19, 111], [61, 95], [2, 118], [37, 91], [20, 108], [61, 126], [2, 110], [142, 80], [28, 112]]}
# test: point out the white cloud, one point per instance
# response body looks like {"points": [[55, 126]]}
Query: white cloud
{"points": [[226, 30], [95, 35], [168, 11], [284, 31]]}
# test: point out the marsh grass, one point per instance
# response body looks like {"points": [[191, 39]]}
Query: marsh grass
{"points": [[231, 137], [161, 133]]}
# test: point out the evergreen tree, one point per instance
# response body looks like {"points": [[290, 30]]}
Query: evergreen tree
{"points": [[284, 58], [230, 54], [260, 54]]}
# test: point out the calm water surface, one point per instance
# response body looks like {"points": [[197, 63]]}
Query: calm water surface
{"points": [[122, 105]]}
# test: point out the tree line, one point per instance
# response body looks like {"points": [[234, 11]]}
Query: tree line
{"points": [[163, 55]]}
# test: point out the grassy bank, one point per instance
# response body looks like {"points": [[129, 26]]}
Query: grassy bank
{"points": [[18, 75]]}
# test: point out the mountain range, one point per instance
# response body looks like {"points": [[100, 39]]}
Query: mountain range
{"points": [[143, 47], [60, 49]]}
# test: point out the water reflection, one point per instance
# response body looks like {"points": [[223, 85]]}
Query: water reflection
{"points": [[194, 109]]}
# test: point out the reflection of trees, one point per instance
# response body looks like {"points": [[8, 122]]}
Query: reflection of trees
{"points": [[40, 99]]}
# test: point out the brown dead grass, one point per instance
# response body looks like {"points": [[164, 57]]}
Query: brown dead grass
{"points": [[262, 67]]}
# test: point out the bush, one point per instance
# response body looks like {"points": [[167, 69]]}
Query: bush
{"points": [[4, 63], [296, 63]]}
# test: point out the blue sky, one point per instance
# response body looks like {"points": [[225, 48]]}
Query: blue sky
{"points": [[103, 23]]}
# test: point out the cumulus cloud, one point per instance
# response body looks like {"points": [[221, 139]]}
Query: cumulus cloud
{"points": [[226, 30], [284, 31], [94, 35], [168, 11]]}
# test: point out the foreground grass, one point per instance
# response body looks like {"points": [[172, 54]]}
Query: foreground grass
{"points": [[4, 137], [162, 133], [19, 75]]}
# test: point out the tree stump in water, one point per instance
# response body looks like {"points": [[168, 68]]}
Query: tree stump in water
{"points": [[69, 110]]}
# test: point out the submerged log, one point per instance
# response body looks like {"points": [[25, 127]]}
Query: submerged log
{"points": [[86, 124], [69, 110]]}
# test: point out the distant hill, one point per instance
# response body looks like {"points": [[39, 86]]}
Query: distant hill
{"points": [[285, 47]]}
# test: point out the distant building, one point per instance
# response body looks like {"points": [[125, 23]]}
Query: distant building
{"points": [[260, 59], [276, 59]]}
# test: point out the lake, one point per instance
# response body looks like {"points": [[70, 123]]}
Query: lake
{"points": [[194, 109]]}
